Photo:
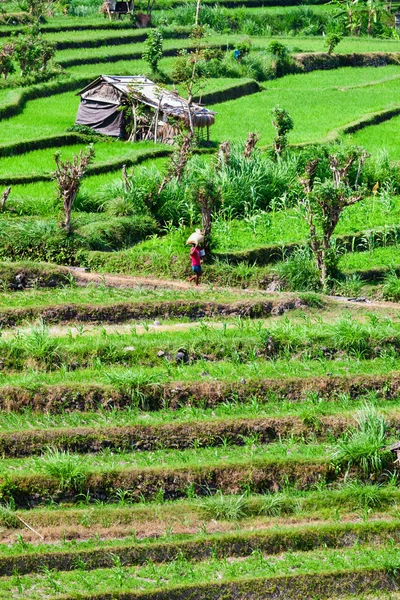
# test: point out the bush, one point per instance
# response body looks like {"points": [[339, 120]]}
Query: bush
{"points": [[63, 466], [391, 287], [118, 232], [299, 271], [38, 240]]}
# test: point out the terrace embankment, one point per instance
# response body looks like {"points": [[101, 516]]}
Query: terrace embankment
{"points": [[240, 544], [124, 311], [201, 434], [89, 397]]}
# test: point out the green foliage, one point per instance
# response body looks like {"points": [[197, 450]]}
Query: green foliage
{"points": [[391, 287], [283, 123], [224, 507], [273, 505], [363, 446], [63, 466], [153, 51], [299, 20], [37, 8], [299, 271], [7, 516], [33, 52], [332, 40], [6, 60]]}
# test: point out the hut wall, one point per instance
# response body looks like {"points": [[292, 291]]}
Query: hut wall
{"points": [[103, 117]]}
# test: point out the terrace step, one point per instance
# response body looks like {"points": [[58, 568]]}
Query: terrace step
{"points": [[91, 396], [241, 544], [261, 475], [18, 444], [121, 312]]}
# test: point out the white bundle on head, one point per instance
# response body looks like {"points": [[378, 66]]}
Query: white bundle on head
{"points": [[196, 238]]}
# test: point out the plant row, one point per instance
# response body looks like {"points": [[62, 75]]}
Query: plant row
{"points": [[244, 342]]}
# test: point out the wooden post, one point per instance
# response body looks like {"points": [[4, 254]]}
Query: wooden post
{"points": [[156, 117], [196, 22], [208, 132], [132, 137]]}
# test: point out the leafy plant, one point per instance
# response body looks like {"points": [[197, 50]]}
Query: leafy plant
{"points": [[332, 40], [363, 446], [391, 287], [325, 199], [283, 123], [68, 175], [7, 516], [153, 51]]}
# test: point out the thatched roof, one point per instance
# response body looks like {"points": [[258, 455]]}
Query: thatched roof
{"points": [[112, 89]]}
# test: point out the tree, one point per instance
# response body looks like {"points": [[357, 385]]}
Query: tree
{"points": [[6, 60], [37, 8], [283, 123], [178, 160], [32, 51], [250, 144], [68, 175], [153, 51], [186, 69], [324, 201], [332, 41], [207, 196]]}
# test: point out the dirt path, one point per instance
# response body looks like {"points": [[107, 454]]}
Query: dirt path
{"points": [[130, 281], [93, 329]]}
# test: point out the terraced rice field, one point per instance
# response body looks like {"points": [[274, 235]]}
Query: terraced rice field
{"points": [[164, 442]]}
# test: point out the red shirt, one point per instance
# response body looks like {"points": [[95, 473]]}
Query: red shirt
{"points": [[195, 256]]}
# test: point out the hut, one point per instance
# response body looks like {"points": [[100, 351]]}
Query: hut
{"points": [[136, 108], [114, 9]]}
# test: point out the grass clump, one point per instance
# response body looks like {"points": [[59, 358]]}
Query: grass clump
{"points": [[7, 516], [63, 466], [299, 271], [225, 507], [363, 446], [391, 287]]}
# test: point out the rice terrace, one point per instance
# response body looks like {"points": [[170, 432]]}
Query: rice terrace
{"points": [[200, 299]]}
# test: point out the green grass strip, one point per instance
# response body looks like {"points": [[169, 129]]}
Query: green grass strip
{"points": [[200, 548], [316, 574]]}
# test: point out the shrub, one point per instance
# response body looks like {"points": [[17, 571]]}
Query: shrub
{"points": [[351, 285], [391, 287], [299, 271], [118, 232], [364, 495], [153, 51], [38, 240], [8, 518], [40, 346], [272, 505], [350, 335]]}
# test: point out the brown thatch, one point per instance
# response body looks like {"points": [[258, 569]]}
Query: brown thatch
{"points": [[102, 99]]}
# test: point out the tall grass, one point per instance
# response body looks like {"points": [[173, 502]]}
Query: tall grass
{"points": [[363, 446], [67, 468]]}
